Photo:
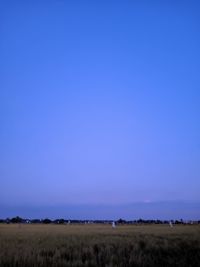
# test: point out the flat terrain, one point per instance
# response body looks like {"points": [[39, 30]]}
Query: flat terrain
{"points": [[99, 245]]}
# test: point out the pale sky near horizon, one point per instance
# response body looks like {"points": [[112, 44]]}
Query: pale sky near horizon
{"points": [[99, 102]]}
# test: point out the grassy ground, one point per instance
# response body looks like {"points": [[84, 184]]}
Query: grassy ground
{"points": [[99, 245]]}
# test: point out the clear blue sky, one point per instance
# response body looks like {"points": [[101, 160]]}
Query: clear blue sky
{"points": [[99, 103]]}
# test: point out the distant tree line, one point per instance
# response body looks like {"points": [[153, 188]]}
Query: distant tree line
{"points": [[140, 221]]}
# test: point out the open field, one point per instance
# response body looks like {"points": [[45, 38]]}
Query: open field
{"points": [[99, 245]]}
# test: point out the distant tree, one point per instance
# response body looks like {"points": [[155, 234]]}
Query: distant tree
{"points": [[46, 221], [59, 221], [121, 221], [16, 220]]}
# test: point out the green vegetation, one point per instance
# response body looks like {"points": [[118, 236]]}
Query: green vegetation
{"points": [[27, 245]]}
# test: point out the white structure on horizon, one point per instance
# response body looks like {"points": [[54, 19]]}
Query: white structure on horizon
{"points": [[170, 224], [113, 225]]}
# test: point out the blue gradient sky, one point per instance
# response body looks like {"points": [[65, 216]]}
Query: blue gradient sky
{"points": [[99, 104]]}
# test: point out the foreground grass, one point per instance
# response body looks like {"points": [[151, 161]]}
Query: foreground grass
{"points": [[99, 245]]}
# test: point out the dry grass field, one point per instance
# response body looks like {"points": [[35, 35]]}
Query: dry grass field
{"points": [[99, 245]]}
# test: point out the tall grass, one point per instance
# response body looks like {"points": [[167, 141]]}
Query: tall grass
{"points": [[99, 245]]}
